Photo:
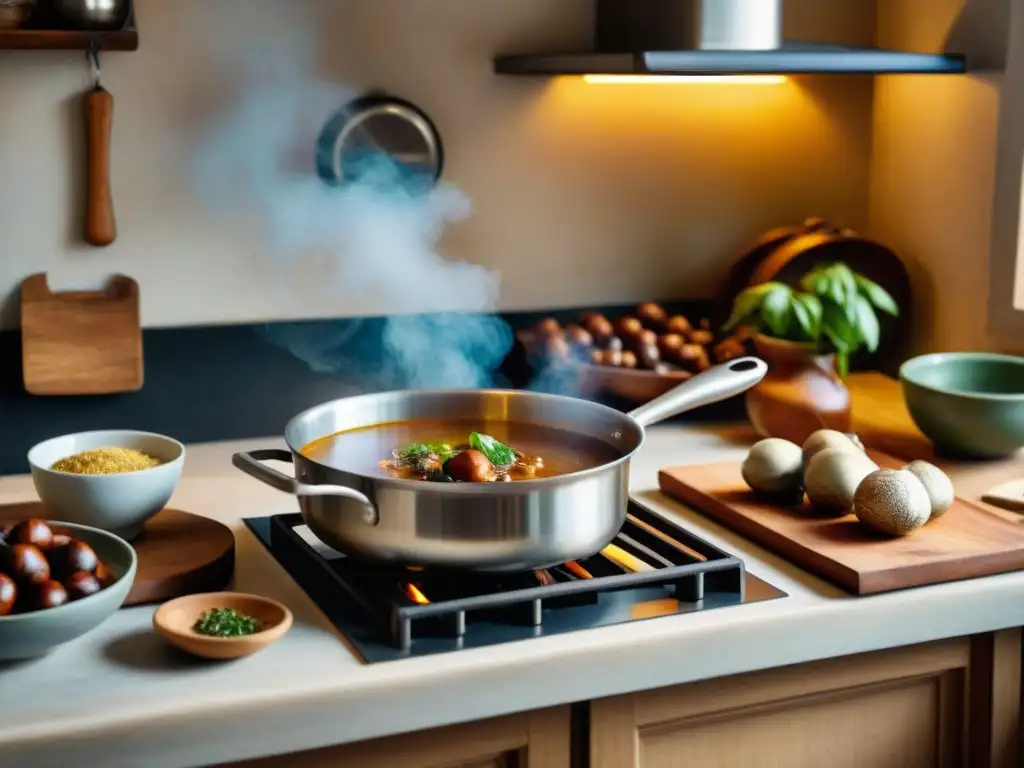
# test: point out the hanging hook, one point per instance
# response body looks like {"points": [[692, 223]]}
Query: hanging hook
{"points": [[93, 54]]}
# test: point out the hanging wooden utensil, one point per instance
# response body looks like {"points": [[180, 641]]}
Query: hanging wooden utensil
{"points": [[100, 227]]}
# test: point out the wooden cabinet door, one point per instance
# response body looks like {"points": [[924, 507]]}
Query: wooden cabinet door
{"points": [[539, 739], [906, 708]]}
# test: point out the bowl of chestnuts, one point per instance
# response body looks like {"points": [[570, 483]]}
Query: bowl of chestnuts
{"points": [[638, 356], [57, 582]]}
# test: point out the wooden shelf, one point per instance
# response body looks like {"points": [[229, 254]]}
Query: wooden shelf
{"points": [[126, 39]]}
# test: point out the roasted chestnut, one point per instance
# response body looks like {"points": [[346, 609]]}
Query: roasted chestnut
{"points": [[32, 531], [703, 363], [8, 595], [652, 316], [611, 358], [670, 344], [646, 338], [471, 466], [702, 337], [614, 343], [549, 327], [25, 564], [106, 577], [49, 594], [629, 360], [729, 349], [599, 327], [629, 328], [678, 324], [691, 353], [73, 557], [82, 584], [579, 337]]}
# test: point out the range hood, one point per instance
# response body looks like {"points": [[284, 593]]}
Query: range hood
{"points": [[713, 38]]}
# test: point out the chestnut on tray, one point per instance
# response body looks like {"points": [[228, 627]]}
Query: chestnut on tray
{"points": [[648, 340], [637, 356]]}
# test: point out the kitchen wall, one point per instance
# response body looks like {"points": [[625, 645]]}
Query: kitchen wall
{"points": [[935, 145], [582, 194]]}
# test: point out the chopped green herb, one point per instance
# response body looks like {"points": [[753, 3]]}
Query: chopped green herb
{"points": [[421, 450], [500, 455], [226, 622]]}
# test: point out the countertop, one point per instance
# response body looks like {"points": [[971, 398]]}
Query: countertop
{"points": [[120, 697]]}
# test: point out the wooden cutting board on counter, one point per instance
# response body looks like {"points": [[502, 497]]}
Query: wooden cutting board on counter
{"points": [[81, 342], [970, 540]]}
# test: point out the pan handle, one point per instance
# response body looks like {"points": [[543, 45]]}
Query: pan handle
{"points": [[712, 386], [251, 462]]}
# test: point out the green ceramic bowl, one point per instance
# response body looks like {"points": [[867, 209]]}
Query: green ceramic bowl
{"points": [[970, 404], [29, 635]]}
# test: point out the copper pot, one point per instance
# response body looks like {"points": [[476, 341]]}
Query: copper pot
{"points": [[800, 394]]}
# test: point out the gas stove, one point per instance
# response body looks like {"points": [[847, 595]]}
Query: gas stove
{"points": [[653, 568]]}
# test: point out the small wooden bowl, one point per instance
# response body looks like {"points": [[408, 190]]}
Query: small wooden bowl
{"points": [[174, 621]]}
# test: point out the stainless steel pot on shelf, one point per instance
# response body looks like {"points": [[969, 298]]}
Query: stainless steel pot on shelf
{"points": [[478, 526], [93, 15]]}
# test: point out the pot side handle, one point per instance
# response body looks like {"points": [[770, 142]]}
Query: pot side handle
{"points": [[712, 386], [251, 462]]}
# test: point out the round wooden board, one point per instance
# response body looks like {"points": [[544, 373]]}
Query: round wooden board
{"points": [[179, 554]]}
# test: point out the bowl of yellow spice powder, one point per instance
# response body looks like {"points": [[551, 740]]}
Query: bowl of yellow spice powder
{"points": [[114, 480]]}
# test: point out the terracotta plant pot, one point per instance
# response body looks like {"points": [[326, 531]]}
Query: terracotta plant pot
{"points": [[800, 394]]}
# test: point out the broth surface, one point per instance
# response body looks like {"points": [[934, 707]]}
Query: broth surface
{"points": [[368, 449]]}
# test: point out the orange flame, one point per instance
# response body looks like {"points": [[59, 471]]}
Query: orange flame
{"points": [[573, 567], [625, 559], [415, 594]]}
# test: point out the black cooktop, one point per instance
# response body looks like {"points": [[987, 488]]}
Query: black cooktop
{"points": [[654, 568]]}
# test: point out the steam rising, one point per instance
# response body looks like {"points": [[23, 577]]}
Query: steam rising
{"points": [[376, 238]]}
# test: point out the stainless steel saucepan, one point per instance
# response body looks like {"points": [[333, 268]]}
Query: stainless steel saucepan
{"points": [[478, 526]]}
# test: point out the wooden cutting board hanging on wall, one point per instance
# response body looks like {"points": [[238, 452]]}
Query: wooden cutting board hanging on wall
{"points": [[81, 342]]}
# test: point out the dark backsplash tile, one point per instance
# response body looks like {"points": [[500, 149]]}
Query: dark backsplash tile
{"points": [[205, 384]]}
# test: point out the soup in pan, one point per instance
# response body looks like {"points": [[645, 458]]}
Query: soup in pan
{"points": [[461, 451]]}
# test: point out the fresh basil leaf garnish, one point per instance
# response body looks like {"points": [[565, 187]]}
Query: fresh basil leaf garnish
{"points": [[499, 454]]}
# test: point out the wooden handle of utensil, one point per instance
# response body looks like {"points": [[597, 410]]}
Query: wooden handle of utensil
{"points": [[100, 228]]}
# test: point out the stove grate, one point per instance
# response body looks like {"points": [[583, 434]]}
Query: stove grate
{"points": [[407, 604]]}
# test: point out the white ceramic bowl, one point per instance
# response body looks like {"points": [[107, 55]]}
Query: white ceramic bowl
{"points": [[29, 635], [121, 503]]}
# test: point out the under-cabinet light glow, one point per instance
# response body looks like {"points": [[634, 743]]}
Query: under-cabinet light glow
{"points": [[670, 79]]}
